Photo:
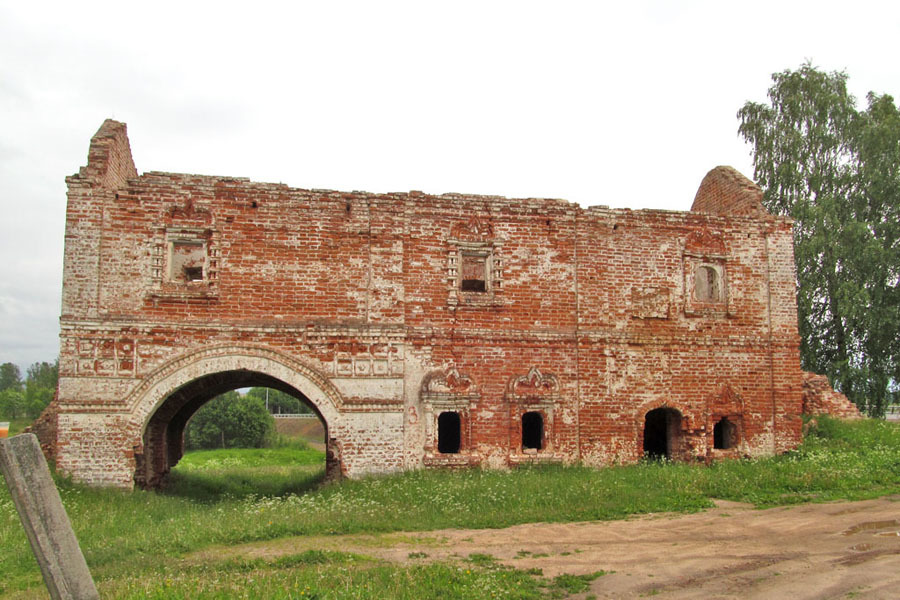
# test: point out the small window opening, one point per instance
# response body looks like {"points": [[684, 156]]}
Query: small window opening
{"points": [[532, 431], [187, 261], [449, 426], [707, 287], [724, 434], [473, 277]]}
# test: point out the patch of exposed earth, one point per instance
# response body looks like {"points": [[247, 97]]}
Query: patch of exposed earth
{"points": [[835, 550]]}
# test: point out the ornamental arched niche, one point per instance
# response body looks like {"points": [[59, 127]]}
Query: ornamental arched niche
{"points": [[474, 264], [705, 274], [532, 399], [725, 421], [447, 398]]}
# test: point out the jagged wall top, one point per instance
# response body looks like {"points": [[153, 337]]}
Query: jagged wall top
{"points": [[724, 191], [110, 163]]}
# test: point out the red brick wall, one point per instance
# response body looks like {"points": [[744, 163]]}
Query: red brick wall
{"points": [[724, 191], [588, 317]]}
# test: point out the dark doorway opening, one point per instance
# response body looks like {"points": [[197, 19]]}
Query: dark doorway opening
{"points": [[532, 431], [449, 427], [662, 428], [724, 434]]}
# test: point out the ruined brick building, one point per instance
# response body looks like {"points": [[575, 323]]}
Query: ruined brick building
{"points": [[425, 331]]}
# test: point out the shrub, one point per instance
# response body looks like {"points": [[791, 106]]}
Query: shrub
{"points": [[230, 421]]}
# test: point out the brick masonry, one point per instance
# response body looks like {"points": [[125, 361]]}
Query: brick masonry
{"points": [[819, 398], [386, 311]]}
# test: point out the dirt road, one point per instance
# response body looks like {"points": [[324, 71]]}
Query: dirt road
{"points": [[836, 550]]}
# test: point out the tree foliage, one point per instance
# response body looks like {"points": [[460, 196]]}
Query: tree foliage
{"points": [[279, 402], [43, 374], [230, 421], [26, 399], [836, 171], [10, 377]]}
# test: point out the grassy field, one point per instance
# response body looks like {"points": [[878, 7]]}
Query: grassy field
{"points": [[211, 475], [135, 542]]}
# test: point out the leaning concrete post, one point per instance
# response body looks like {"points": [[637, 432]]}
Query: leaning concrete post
{"points": [[44, 519]]}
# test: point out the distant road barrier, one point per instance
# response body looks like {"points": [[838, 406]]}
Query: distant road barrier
{"points": [[892, 413], [296, 416]]}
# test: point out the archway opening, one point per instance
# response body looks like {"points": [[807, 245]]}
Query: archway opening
{"points": [[724, 434], [662, 432], [164, 436], [532, 431]]}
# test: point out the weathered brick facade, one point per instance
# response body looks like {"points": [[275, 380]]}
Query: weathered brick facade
{"points": [[425, 330]]}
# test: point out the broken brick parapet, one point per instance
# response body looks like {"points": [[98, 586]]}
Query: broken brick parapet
{"points": [[179, 286], [819, 398]]}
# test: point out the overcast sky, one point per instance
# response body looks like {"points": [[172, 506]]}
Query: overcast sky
{"points": [[626, 105]]}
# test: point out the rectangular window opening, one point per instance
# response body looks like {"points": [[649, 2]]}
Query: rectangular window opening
{"points": [[532, 431], [187, 261], [473, 273], [449, 433]]}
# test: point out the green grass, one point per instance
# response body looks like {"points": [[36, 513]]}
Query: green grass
{"points": [[134, 542], [210, 475], [323, 575], [837, 461]]}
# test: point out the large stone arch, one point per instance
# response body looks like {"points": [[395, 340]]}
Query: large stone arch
{"points": [[189, 380]]}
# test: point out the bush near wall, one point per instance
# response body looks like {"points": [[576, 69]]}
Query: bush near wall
{"points": [[230, 421]]}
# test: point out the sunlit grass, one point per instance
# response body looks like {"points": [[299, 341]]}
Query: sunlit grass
{"points": [[211, 475], [321, 575]]}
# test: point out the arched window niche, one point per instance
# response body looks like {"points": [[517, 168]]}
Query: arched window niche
{"points": [[725, 434]]}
